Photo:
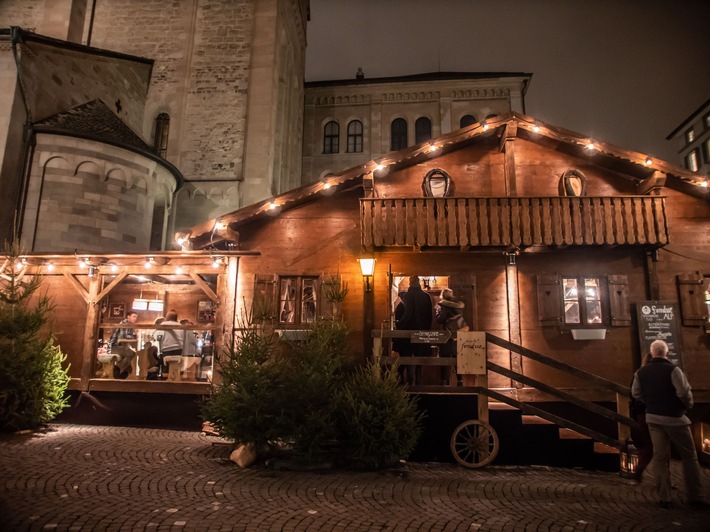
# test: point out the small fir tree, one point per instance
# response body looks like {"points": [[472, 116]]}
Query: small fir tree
{"points": [[379, 421], [319, 365], [33, 381]]}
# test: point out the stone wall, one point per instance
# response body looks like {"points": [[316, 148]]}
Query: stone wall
{"points": [[57, 79], [91, 197], [234, 95], [11, 127], [377, 104]]}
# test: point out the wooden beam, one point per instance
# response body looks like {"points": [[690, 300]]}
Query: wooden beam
{"points": [[79, 287], [205, 287], [653, 183], [106, 291]]}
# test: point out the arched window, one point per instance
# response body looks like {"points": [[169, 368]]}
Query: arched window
{"points": [[355, 137], [162, 129], [331, 137], [492, 115], [422, 130], [467, 120], [398, 134]]}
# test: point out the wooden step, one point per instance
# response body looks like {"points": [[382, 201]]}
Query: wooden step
{"points": [[535, 420], [569, 434], [603, 448], [495, 405]]}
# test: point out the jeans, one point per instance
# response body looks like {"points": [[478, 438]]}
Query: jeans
{"points": [[681, 438]]}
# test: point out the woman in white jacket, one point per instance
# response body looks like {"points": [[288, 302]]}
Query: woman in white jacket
{"points": [[173, 341]]}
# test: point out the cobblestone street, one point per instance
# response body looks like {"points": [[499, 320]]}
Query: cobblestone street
{"points": [[72, 477]]}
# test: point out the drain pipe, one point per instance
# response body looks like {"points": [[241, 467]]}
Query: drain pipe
{"points": [[28, 139]]}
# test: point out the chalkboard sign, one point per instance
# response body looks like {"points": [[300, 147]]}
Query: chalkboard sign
{"points": [[658, 320]]}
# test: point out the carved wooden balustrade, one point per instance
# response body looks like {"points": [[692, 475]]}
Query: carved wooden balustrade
{"points": [[513, 221]]}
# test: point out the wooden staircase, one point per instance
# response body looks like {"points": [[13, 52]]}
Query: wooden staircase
{"points": [[583, 434], [542, 442]]}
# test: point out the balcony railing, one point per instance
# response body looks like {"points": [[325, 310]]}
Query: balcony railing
{"points": [[513, 221]]}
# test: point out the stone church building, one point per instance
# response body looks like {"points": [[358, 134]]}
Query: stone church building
{"points": [[121, 124], [121, 121]]}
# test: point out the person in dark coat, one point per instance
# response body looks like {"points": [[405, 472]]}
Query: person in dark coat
{"points": [[640, 434], [446, 312], [664, 389], [402, 346], [416, 317]]}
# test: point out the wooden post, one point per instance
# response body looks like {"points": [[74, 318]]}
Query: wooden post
{"points": [[90, 331], [622, 407], [511, 278], [368, 317]]}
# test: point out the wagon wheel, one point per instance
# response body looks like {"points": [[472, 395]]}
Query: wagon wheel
{"points": [[474, 444]]}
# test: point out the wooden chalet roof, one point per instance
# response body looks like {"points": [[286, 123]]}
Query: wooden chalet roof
{"points": [[637, 165]]}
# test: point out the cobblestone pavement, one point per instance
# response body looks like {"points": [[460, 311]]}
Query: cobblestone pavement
{"points": [[72, 477]]}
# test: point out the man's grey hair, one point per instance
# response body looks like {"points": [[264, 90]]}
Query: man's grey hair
{"points": [[659, 348]]}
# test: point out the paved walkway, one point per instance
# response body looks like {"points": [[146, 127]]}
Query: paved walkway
{"points": [[73, 477]]}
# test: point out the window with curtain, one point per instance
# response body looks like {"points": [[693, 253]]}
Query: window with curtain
{"points": [[298, 300], [398, 134], [582, 300], [422, 130], [331, 137], [355, 137]]}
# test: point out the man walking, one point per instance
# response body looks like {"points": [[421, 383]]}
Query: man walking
{"points": [[664, 389]]}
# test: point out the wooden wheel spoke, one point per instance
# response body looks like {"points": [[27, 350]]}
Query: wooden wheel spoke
{"points": [[474, 444]]}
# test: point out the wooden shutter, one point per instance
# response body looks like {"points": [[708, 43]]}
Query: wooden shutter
{"points": [[691, 289], [264, 304], [464, 287], [619, 308], [549, 299]]}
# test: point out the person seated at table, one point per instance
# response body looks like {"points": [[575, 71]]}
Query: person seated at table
{"points": [[153, 358], [120, 345], [173, 341]]}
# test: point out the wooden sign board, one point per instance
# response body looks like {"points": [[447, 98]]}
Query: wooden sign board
{"points": [[659, 320], [471, 353], [430, 337]]}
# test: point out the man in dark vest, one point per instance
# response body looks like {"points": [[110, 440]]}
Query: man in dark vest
{"points": [[664, 389], [416, 317]]}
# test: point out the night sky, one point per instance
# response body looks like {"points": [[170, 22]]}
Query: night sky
{"points": [[622, 71]]}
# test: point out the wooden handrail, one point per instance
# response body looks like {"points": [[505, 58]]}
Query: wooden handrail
{"points": [[566, 368]]}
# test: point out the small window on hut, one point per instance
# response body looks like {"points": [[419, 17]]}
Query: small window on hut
{"points": [[298, 300], [584, 301]]}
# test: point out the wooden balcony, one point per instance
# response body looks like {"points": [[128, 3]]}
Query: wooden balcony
{"points": [[513, 221]]}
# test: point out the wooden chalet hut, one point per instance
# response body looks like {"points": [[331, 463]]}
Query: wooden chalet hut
{"points": [[559, 244]]}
